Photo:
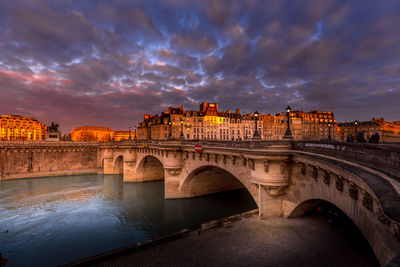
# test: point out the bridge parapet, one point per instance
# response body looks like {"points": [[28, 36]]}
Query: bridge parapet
{"points": [[254, 144], [385, 158]]}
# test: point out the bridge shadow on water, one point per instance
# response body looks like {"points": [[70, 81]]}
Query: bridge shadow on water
{"points": [[145, 202]]}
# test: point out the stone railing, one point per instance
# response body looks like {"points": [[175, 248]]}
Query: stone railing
{"points": [[259, 144], [209, 143], [382, 157]]}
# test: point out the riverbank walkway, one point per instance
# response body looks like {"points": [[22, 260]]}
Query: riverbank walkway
{"points": [[307, 241]]}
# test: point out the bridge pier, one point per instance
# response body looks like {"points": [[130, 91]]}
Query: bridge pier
{"points": [[271, 175], [129, 174], [108, 165], [172, 174], [268, 206], [172, 184]]}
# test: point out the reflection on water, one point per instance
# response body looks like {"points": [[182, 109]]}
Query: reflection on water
{"points": [[50, 221]]}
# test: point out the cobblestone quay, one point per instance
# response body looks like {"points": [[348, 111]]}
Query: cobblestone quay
{"points": [[307, 241]]}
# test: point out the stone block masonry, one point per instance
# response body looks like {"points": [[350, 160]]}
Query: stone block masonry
{"points": [[32, 159]]}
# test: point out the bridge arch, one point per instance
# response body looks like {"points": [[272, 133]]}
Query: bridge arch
{"points": [[150, 168], [336, 217], [314, 179], [119, 165], [212, 178]]}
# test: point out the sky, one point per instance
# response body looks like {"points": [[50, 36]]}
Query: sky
{"points": [[107, 63]]}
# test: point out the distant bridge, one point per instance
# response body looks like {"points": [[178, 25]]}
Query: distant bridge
{"points": [[285, 178]]}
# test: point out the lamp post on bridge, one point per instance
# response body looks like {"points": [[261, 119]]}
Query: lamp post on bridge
{"points": [[182, 136], [149, 131], [135, 133], [288, 133], [329, 136], [256, 135], [355, 128], [169, 128], [130, 137]]}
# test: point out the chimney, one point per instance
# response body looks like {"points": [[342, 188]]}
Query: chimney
{"points": [[203, 106]]}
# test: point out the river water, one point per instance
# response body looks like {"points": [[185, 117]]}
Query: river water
{"points": [[52, 221]]}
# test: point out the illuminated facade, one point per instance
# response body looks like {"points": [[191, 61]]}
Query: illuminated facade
{"points": [[210, 124], [123, 135], [387, 131], [19, 128], [92, 133], [314, 125]]}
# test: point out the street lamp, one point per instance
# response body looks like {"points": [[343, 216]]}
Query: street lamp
{"points": [[329, 136], [149, 126], [182, 136], [256, 131], [288, 133], [130, 137], [135, 132], [355, 128], [170, 128]]}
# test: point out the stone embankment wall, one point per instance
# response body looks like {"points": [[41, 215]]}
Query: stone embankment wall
{"points": [[383, 157], [30, 159]]}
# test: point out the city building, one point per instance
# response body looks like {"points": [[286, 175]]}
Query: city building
{"points": [[208, 123], [313, 125], [19, 128], [92, 133], [387, 131], [123, 135], [100, 133]]}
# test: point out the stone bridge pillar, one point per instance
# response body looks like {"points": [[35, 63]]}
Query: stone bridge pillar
{"points": [[172, 173], [130, 165], [108, 167], [271, 175]]}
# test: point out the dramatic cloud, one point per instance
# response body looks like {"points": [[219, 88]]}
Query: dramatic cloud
{"points": [[108, 63]]}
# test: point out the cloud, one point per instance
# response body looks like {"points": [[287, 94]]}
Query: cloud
{"points": [[70, 61], [193, 44]]}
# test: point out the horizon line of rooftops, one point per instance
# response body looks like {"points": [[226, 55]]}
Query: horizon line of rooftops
{"points": [[211, 109]]}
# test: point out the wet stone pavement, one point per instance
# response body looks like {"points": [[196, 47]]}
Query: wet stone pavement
{"points": [[306, 241]]}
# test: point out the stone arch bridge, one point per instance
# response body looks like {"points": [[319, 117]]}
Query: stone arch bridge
{"points": [[284, 178]]}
